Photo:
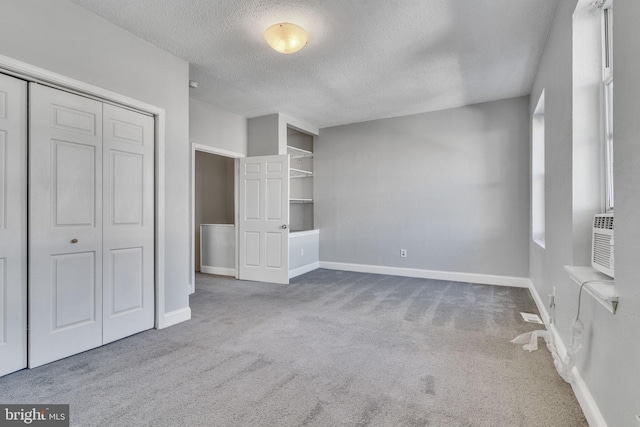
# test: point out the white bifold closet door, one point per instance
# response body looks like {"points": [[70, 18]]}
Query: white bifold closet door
{"points": [[13, 224], [128, 223], [91, 241]]}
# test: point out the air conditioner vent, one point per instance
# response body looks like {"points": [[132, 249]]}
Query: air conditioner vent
{"points": [[602, 257], [603, 222], [602, 249]]}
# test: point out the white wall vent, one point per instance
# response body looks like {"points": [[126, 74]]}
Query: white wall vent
{"points": [[602, 246]]}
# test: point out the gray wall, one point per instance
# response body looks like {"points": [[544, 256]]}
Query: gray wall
{"points": [[609, 361], [267, 135], [451, 187], [617, 336], [554, 76], [214, 194], [211, 126], [61, 37], [264, 135]]}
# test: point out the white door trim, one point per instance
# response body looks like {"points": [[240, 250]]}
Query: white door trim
{"points": [[220, 152], [36, 74], [13, 225]]}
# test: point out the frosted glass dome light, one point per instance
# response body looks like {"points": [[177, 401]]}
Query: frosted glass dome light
{"points": [[286, 37]]}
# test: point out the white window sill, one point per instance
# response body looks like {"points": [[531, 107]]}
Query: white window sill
{"points": [[604, 292]]}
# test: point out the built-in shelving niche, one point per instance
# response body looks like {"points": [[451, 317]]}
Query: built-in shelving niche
{"points": [[300, 150]]}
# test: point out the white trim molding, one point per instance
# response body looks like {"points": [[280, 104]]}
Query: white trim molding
{"points": [[214, 150], [304, 269], [192, 251], [160, 218], [220, 271], [174, 317], [585, 399], [542, 308], [40, 75], [583, 394], [484, 279]]}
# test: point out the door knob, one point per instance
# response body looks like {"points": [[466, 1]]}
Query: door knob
{"points": [[284, 226], [74, 240]]}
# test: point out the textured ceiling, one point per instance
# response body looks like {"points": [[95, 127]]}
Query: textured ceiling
{"points": [[365, 59]]}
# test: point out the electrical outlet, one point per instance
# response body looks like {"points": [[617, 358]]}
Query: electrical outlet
{"points": [[552, 299], [403, 253], [302, 251]]}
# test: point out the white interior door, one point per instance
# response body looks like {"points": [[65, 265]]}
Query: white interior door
{"points": [[128, 241], [65, 220], [13, 224], [264, 219]]}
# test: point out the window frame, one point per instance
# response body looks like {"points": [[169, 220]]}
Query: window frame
{"points": [[607, 102], [538, 173]]}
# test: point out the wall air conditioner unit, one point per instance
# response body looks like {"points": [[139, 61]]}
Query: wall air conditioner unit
{"points": [[602, 244]]}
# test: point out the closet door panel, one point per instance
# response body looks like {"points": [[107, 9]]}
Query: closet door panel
{"points": [[73, 281], [13, 224], [65, 217], [74, 187], [128, 222], [127, 290]]}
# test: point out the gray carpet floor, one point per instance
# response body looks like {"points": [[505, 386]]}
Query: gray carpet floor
{"points": [[330, 349]]}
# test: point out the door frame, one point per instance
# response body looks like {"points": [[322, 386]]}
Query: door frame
{"points": [[224, 153], [35, 74]]}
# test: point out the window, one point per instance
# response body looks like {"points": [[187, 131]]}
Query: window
{"points": [[607, 101], [538, 174]]}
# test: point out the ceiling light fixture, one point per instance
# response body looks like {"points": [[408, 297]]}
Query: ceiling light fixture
{"points": [[286, 37]]}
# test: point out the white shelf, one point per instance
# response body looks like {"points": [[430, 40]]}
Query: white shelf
{"points": [[292, 200], [299, 173], [601, 286], [298, 153]]}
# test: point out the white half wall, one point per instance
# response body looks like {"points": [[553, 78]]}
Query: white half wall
{"points": [[303, 252]]}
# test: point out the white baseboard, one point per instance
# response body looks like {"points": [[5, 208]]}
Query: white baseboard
{"points": [[220, 271], [542, 306], [485, 279], [304, 269], [174, 317], [583, 395], [587, 403]]}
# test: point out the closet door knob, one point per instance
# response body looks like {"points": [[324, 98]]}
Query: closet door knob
{"points": [[284, 226], [74, 240]]}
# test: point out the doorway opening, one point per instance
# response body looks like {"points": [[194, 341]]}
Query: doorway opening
{"points": [[215, 231]]}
